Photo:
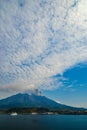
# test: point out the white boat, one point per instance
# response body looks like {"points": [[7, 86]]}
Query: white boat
{"points": [[14, 114], [33, 113], [50, 113]]}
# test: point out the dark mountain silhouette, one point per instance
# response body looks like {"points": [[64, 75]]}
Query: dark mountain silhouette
{"points": [[28, 101]]}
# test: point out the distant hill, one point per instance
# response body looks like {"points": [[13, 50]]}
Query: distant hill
{"points": [[27, 101]]}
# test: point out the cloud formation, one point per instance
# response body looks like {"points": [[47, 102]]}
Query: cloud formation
{"points": [[40, 39]]}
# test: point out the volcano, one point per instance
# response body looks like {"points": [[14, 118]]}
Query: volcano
{"points": [[31, 100]]}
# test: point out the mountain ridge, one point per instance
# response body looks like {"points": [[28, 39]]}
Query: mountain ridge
{"points": [[21, 100]]}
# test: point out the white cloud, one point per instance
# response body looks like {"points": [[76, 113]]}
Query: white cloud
{"points": [[40, 39]]}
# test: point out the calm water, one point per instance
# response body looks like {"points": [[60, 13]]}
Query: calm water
{"points": [[43, 122]]}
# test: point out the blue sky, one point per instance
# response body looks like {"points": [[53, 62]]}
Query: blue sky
{"points": [[74, 91], [43, 45]]}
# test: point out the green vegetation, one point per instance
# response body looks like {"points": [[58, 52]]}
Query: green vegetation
{"points": [[42, 111]]}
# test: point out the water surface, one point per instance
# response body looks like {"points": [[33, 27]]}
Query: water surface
{"points": [[43, 122]]}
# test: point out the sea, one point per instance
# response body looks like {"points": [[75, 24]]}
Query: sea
{"points": [[43, 122]]}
